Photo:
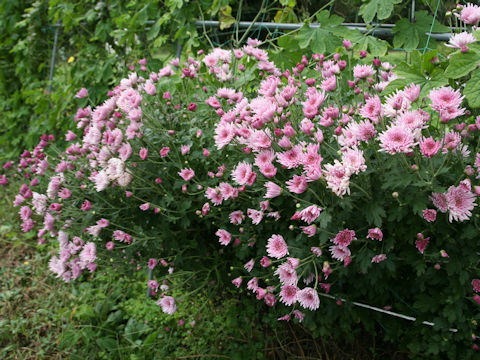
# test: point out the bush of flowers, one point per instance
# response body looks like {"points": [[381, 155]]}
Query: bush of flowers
{"points": [[289, 184]]}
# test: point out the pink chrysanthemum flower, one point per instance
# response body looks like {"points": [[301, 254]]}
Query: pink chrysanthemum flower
{"points": [[224, 133], [460, 41], [310, 214], [411, 120], [422, 244], [89, 253], [445, 98], [264, 157], [224, 237], [309, 230], [430, 215], [354, 161], [379, 258], [338, 178], [375, 234], [476, 285], [429, 147], [364, 130], [242, 173], [288, 294], [372, 109], [237, 281], [316, 250], [168, 305], [339, 253], [363, 71], [297, 185], [470, 14], [460, 203], [308, 298], [249, 265], [273, 190], [344, 238], [236, 217], [287, 274], [440, 201], [396, 139], [255, 215], [186, 174], [291, 158], [277, 247]]}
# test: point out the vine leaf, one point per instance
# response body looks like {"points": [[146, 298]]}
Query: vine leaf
{"points": [[472, 90], [382, 8], [410, 35]]}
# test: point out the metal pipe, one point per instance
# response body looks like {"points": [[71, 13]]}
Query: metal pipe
{"points": [[382, 30]]}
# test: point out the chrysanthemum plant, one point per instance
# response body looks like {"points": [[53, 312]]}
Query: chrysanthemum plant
{"points": [[297, 183]]}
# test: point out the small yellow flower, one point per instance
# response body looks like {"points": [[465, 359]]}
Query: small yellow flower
{"points": [[26, 263], [70, 59]]}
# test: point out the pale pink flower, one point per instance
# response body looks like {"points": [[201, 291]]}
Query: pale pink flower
{"points": [[224, 133], [242, 173], [249, 265], [338, 178], [236, 217], [476, 285], [461, 40], [186, 174], [288, 294], [379, 258], [277, 247], [215, 195], [291, 158], [412, 92], [226, 190], [470, 14], [184, 149], [310, 230], [310, 214], [89, 253], [429, 147], [287, 274], [396, 139], [460, 203], [445, 98], [237, 281], [344, 238], [308, 298], [167, 304], [298, 184], [273, 190], [329, 84], [224, 237], [372, 109], [255, 215], [144, 207], [25, 213], [298, 315], [354, 161], [411, 120], [81, 93], [339, 253], [375, 234], [363, 71], [316, 250], [101, 181]]}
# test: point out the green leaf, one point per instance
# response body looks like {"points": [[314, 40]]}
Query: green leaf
{"points": [[411, 35], [225, 17], [461, 64], [326, 19], [472, 90], [154, 30], [107, 344], [374, 213], [289, 3], [382, 8]]}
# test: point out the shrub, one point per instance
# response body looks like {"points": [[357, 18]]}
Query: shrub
{"points": [[311, 178]]}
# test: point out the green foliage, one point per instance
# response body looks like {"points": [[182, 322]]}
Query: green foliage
{"points": [[382, 9]]}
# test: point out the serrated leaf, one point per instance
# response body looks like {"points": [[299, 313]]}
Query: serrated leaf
{"points": [[472, 90], [381, 8], [411, 35], [374, 213], [461, 64]]}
